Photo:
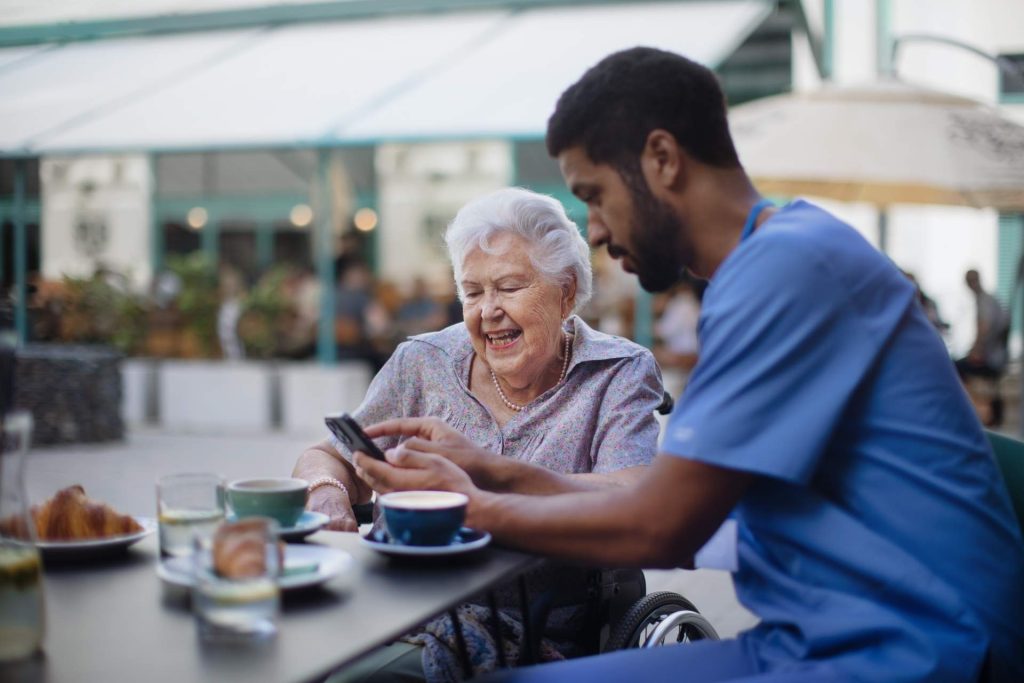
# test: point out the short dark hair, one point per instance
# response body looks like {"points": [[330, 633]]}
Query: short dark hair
{"points": [[612, 109]]}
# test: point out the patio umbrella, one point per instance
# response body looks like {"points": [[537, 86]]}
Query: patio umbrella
{"points": [[885, 143]]}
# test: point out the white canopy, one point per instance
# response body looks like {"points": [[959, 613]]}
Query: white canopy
{"points": [[473, 74]]}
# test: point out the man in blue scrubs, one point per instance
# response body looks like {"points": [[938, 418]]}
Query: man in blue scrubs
{"points": [[875, 536]]}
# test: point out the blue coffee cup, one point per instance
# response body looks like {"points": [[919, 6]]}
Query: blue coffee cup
{"points": [[423, 517]]}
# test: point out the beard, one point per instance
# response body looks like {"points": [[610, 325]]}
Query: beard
{"points": [[659, 246]]}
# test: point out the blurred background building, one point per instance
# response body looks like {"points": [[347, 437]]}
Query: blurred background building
{"points": [[194, 178]]}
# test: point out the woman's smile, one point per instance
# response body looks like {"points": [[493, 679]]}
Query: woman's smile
{"points": [[502, 340]]}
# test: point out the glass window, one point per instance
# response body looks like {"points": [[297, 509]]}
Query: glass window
{"points": [[1011, 75], [7, 177]]}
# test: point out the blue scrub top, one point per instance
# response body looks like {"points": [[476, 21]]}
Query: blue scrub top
{"points": [[879, 540]]}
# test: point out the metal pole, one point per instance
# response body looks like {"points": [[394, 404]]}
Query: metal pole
{"points": [[324, 251], [2, 238], [643, 319], [209, 237], [883, 37], [265, 245], [156, 241], [828, 41], [20, 255], [1007, 67]]}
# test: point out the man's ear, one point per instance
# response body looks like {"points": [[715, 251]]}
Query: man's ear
{"points": [[662, 160]]}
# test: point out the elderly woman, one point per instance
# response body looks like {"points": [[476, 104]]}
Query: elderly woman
{"points": [[564, 407]]}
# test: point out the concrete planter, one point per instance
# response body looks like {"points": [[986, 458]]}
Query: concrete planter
{"points": [[310, 391], [139, 391], [223, 396], [218, 395]]}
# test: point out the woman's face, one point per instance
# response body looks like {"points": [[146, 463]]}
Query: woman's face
{"points": [[514, 315]]}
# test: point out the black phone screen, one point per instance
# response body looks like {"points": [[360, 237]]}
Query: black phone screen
{"points": [[352, 435]]}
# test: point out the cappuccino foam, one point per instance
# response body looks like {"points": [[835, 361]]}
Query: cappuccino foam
{"points": [[423, 500]]}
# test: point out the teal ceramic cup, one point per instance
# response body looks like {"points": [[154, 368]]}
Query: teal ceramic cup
{"points": [[423, 517], [282, 499]]}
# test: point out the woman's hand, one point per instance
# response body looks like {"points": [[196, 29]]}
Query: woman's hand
{"points": [[428, 460], [433, 435], [334, 503]]}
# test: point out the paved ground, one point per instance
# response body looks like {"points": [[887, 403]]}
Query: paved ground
{"points": [[106, 470]]}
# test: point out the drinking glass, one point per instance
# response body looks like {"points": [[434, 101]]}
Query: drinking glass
{"points": [[21, 589], [238, 608], [188, 505]]}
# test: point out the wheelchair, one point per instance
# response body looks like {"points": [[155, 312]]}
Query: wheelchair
{"points": [[620, 614], [617, 611]]}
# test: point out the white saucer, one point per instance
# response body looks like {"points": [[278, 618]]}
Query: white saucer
{"points": [[330, 563], [466, 541], [308, 523], [96, 547]]}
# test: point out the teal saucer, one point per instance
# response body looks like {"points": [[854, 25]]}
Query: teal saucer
{"points": [[308, 523]]}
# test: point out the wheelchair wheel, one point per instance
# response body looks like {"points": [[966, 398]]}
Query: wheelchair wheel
{"points": [[662, 618]]}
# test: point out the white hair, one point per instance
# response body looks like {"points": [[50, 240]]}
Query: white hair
{"points": [[557, 250]]}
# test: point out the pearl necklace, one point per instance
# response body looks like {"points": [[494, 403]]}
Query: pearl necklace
{"points": [[565, 368]]}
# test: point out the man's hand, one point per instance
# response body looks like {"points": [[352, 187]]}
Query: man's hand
{"points": [[433, 435], [334, 503], [425, 461]]}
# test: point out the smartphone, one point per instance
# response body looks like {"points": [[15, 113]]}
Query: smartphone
{"points": [[352, 435]]}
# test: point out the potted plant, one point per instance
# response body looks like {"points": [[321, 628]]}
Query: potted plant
{"points": [[197, 302], [265, 312]]}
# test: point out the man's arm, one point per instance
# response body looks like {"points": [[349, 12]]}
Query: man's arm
{"points": [[504, 475], [322, 460], [660, 520]]}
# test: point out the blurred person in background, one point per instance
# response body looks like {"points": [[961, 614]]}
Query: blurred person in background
{"points": [[676, 347], [611, 309], [563, 407], [298, 335], [358, 317], [351, 249], [419, 312], [929, 306], [989, 354], [232, 291], [450, 302]]}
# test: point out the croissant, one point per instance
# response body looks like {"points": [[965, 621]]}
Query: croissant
{"points": [[239, 549], [72, 516]]}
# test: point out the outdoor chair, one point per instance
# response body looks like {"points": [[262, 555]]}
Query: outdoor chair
{"points": [[619, 612], [1009, 454]]}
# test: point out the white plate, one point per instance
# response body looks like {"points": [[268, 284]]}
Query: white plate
{"points": [[467, 541], [96, 547], [306, 524], [330, 563]]}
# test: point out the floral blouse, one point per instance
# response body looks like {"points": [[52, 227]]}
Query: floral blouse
{"points": [[599, 419]]}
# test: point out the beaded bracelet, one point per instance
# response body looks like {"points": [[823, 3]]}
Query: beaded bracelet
{"points": [[327, 481]]}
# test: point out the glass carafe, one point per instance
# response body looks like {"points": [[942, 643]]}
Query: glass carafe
{"points": [[21, 575]]}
